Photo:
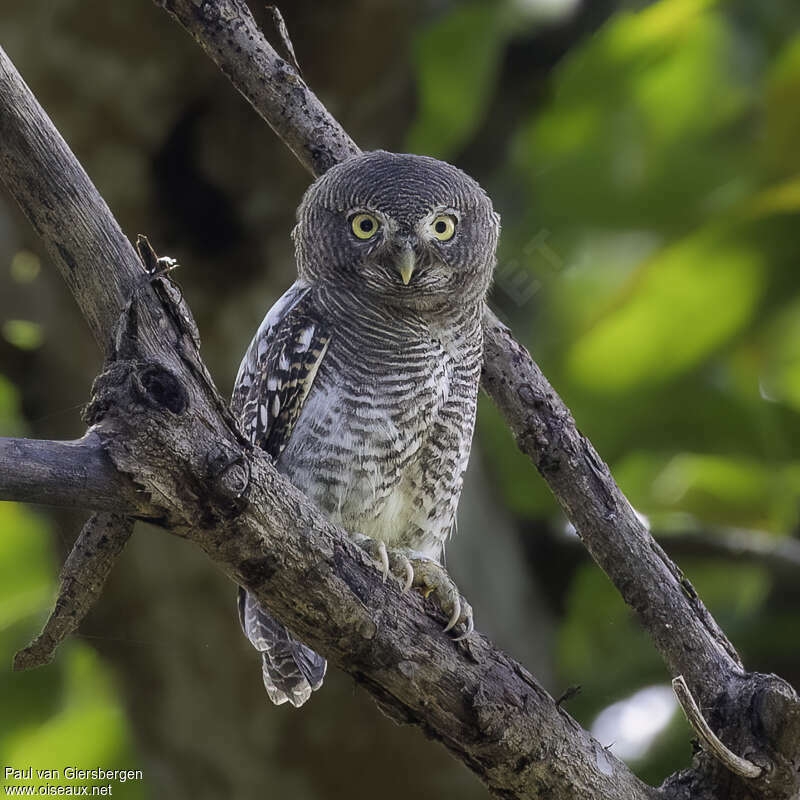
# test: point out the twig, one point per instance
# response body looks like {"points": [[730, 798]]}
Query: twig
{"points": [[83, 576], [283, 32], [779, 551], [568, 694], [710, 741]]}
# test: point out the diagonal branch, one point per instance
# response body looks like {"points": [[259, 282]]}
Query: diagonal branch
{"points": [[230, 37], [686, 635], [80, 234]]}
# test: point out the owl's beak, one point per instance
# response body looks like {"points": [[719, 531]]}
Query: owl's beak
{"points": [[406, 263]]}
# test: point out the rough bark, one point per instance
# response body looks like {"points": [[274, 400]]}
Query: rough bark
{"points": [[83, 577], [162, 422], [68, 474]]}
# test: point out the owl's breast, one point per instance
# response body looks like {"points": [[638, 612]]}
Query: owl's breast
{"points": [[384, 438]]}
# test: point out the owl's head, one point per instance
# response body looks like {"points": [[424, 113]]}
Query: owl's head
{"points": [[411, 230]]}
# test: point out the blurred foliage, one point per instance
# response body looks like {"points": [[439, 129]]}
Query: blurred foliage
{"points": [[457, 61], [653, 264], [650, 195], [23, 333], [67, 714]]}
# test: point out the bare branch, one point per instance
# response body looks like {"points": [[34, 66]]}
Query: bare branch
{"points": [[75, 474], [283, 33], [83, 576], [230, 37], [687, 636], [781, 552], [684, 632], [710, 741]]}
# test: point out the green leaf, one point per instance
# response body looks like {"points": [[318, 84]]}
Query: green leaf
{"points": [[26, 564], [640, 132], [780, 379], [782, 111]]}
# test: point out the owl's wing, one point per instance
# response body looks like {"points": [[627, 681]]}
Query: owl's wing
{"points": [[273, 383], [278, 370]]}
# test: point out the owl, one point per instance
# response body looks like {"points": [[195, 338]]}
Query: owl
{"points": [[362, 381]]}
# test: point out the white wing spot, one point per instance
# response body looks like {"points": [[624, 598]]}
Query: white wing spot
{"points": [[262, 411], [283, 362], [272, 384], [276, 406], [304, 340]]}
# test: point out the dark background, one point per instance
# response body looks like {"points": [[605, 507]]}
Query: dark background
{"points": [[645, 161]]}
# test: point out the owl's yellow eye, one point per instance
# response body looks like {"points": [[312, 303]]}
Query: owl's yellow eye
{"points": [[365, 226], [443, 227]]}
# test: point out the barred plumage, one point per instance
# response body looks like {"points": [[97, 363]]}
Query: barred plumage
{"points": [[362, 381]]}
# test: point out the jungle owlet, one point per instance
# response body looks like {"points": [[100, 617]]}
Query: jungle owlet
{"points": [[362, 381]]}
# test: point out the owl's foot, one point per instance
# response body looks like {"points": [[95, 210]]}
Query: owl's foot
{"points": [[421, 573], [432, 577]]}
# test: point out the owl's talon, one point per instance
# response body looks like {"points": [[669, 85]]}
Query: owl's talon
{"points": [[428, 576], [432, 578], [377, 551], [469, 625], [455, 616], [402, 570], [384, 560]]}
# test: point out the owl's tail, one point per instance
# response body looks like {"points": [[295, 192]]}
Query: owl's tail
{"points": [[291, 670]]}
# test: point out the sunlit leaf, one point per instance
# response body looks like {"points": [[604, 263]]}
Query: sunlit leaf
{"points": [[26, 566], [721, 489], [25, 266], [635, 135], [780, 380], [685, 303]]}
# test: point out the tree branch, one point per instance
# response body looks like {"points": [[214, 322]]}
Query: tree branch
{"points": [[82, 579], [686, 635], [230, 37], [710, 741], [780, 552], [69, 474], [80, 234]]}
